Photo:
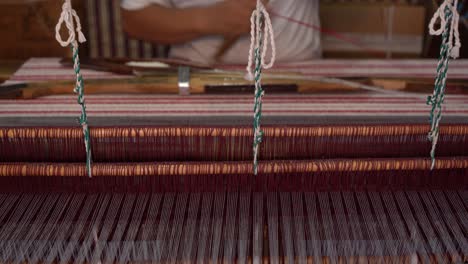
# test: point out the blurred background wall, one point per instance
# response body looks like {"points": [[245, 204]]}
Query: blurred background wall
{"points": [[394, 28]]}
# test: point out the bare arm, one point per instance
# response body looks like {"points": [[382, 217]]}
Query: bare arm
{"points": [[164, 25]]}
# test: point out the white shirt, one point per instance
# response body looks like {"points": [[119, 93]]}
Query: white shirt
{"points": [[294, 42]]}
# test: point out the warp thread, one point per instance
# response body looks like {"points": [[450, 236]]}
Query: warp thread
{"points": [[261, 33], [449, 18], [66, 17], [228, 227]]}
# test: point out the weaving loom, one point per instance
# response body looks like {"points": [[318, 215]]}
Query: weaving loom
{"points": [[342, 178]]}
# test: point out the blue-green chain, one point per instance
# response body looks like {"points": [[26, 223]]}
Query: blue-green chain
{"points": [[259, 92], [83, 119], [437, 99]]}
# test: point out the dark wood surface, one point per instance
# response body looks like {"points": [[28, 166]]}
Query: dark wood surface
{"points": [[28, 28], [8, 67]]}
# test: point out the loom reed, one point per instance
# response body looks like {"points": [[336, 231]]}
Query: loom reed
{"points": [[148, 144], [323, 194]]}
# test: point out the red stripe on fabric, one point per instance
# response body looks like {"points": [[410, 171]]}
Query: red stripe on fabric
{"points": [[110, 102], [271, 97], [96, 98], [233, 100], [65, 77], [214, 102], [189, 112]]}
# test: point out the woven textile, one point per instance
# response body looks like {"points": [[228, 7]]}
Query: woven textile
{"points": [[341, 178], [44, 69], [50, 69], [228, 109]]}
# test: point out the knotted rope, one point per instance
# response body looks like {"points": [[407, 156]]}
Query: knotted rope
{"points": [[66, 17], [448, 15], [261, 33]]}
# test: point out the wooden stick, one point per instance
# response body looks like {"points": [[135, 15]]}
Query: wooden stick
{"points": [[164, 84]]}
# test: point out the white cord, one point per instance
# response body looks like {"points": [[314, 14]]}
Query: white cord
{"points": [[455, 51], [454, 34], [67, 15], [268, 37]]}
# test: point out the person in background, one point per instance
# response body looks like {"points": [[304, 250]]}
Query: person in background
{"points": [[196, 29]]}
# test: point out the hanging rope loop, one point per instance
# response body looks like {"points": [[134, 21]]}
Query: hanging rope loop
{"points": [[454, 34], [66, 17], [261, 32], [260, 16], [438, 15], [448, 15]]}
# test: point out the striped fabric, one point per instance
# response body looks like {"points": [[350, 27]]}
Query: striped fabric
{"points": [[225, 109], [44, 69], [106, 38], [232, 105], [50, 69], [395, 68]]}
